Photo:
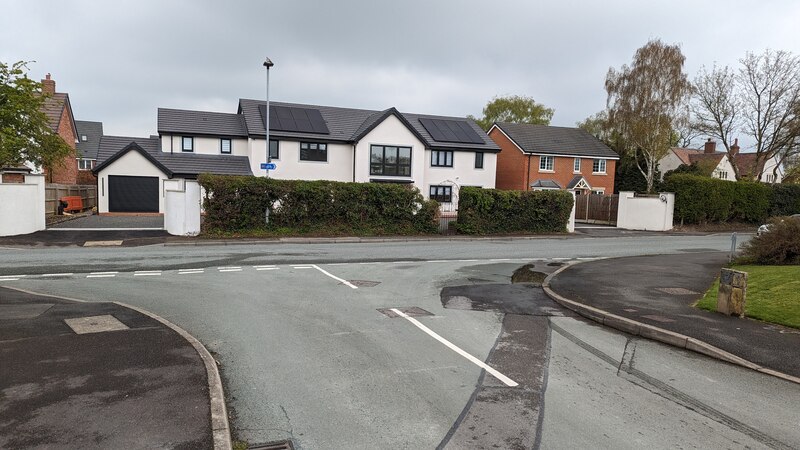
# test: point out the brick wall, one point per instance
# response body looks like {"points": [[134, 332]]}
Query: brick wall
{"points": [[67, 171], [563, 173], [512, 164], [86, 177]]}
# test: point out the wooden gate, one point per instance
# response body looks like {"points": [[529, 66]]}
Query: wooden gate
{"points": [[596, 208]]}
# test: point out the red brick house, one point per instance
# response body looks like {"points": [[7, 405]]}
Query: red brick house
{"points": [[543, 157], [58, 110]]}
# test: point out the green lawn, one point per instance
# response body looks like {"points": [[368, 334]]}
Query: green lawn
{"points": [[773, 294]]}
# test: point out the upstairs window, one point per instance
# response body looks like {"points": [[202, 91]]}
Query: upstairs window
{"points": [[85, 164], [225, 146], [599, 166], [442, 158], [576, 166], [389, 160], [187, 144], [546, 163], [312, 151], [273, 150], [479, 160], [442, 194]]}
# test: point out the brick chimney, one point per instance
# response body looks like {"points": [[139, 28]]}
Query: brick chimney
{"points": [[735, 147], [710, 146], [48, 85]]}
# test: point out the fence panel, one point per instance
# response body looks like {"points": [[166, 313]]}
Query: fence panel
{"points": [[595, 208], [53, 192]]}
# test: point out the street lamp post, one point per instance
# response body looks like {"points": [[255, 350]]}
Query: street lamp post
{"points": [[267, 63]]}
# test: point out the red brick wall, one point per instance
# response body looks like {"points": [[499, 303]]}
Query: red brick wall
{"points": [[512, 164], [563, 173], [67, 171]]}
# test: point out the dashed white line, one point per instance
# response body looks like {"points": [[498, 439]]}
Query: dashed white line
{"points": [[147, 273], [267, 268], [302, 267], [368, 263], [9, 279], [500, 259], [189, 271], [467, 260], [439, 261], [103, 273], [231, 270], [57, 274], [107, 275], [504, 379], [343, 281], [404, 262], [230, 267], [264, 266]]}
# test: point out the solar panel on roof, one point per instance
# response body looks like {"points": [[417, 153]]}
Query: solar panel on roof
{"points": [[458, 131], [298, 120]]}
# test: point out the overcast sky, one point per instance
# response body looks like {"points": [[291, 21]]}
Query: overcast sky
{"points": [[120, 60]]}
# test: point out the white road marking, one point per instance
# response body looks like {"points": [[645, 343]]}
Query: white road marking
{"points": [[302, 267], [147, 273], [230, 267], [404, 262], [368, 263], [467, 260], [103, 273], [189, 271], [13, 276], [264, 266], [9, 279], [56, 274], [267, 268], [507, 381], [500, 259], [439, 261], [231, 270], [345, 282], [108, 275]]}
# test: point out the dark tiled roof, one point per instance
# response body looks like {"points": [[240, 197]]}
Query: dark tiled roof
{"points": [[548, 140], [173, 164], [349, 124], [53, 108], [546, 184], [575, 180], [179, 121], [93, 131]]}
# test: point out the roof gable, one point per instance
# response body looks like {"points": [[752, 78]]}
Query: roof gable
{"points": [[133, 146]]}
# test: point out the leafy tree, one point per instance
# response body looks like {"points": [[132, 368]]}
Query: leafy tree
{"points": [[691, 169], [760, 100], [25, 134], [515, 109], [646, 103]]}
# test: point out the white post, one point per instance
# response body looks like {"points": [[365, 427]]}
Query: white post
{"points": [[571, 223]]}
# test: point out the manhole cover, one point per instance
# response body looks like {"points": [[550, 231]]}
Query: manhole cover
{"points": [[95, 324], [677, 291], [411, 311], [282, 445], [364, 283]]}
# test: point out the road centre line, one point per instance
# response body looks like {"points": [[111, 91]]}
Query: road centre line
{"points": [[103, 273], [146, 274], [345, 282], [302, 267], [107, 275], [267, 268], [231, 270], [263, 266], [504, 379], [404, 262], [229, 267], [9, 279], [57, 274]]}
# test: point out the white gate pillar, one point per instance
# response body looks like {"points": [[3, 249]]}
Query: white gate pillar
{"points": [[182, 209]]}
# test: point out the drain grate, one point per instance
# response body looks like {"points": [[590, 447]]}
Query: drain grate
{"points": [[364, 283], [677, 291], [411, 311], [280, 445]]}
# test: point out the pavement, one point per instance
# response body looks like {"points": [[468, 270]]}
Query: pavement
{"points": [[653, 296], [97, 375]]}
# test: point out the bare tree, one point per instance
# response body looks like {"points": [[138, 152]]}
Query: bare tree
{"points": [[646, 103], [716, 107], [759, 101]]}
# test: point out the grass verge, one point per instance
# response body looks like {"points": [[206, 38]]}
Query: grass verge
{"points": [[773, 294]]}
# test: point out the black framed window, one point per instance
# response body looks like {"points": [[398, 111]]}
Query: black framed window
{"points": [[187, 144], [225, 145], [312, 151], [442, 158], [274, 153], [479, 160], [442, 194], [390, 160], [546, 163]]}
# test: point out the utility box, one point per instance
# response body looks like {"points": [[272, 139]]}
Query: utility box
{"points": [[732, 292]]}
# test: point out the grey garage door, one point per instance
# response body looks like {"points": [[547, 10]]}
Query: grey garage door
{"points": [[132, 194]]}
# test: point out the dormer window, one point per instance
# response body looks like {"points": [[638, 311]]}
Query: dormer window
{"points": [[84, 138]]}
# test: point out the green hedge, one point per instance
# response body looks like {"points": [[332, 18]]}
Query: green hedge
{"points": [[701, 199], [487, 211], [785, 200], [238, 204]]}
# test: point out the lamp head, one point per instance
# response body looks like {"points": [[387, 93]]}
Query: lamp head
{"points": [[268, 63]]}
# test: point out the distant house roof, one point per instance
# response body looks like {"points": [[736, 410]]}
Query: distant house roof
{"points": [[348, 125], [546, 184], [179, 121], [93, 131], [746, 162], [547, 140], [54, 107], [186, 165]]}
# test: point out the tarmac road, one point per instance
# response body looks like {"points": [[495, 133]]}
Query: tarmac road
{"points": [[309, 358]]}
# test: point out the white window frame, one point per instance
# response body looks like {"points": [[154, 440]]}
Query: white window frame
{"points": [[81, 162], [601, 166], [576, 165], [442, 158], [547, 163]]}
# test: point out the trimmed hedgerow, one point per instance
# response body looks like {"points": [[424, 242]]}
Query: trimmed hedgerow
{"points": [[785, 199], [238, 204], [701, 199], [488, 211]]}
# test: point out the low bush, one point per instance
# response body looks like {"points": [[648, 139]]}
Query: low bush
{"points": [[778, 246], [235, 204], [488, 211]]}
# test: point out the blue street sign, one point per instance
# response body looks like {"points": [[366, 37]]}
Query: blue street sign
{"points": [[268, 166]]}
